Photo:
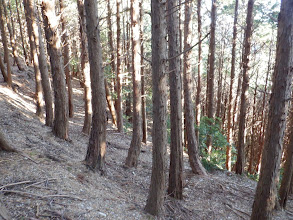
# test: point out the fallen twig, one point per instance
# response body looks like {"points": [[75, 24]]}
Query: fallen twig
{"points": [[40, 196], [28, 157], [37, 183], [15, 184]]}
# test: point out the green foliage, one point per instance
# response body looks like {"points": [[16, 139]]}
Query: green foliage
{"points": [[217, 158], [254, 177], [127, 126]]}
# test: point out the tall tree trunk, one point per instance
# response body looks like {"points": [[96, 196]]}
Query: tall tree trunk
{"points": [[3, 71], [112, 62], [119, 73], [156, 194], [143, 94], [245, 84], [229, 114], [66, 59], [135, 145], [60, 128], [220, 79], [175, 188], [266, 190], [198, 88], [192, 144], [5, 46], [211, 71], [41, 65], [263, 114], [21, 33], [110, 36], [95, 157], [12, 36], [38, 92], [288, 167], [253, 129], [85, 69]]}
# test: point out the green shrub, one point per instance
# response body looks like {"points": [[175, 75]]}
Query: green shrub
{"points": [[212, 127]]}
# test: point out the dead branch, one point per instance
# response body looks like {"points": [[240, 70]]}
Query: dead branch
{"points": [[47, 180], [15, 184], [40, 196]]}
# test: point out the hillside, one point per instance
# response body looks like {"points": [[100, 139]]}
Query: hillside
{"points": [[48, 179]]}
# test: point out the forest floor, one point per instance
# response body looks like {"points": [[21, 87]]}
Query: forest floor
{"points": [[48, 179]]}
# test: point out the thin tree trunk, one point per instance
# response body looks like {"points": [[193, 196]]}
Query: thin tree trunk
{"points": [[42, 60], [211, 71], [5, 46], [288, 167], [85, 69], [110, 103], [253, 129], [266, 190], [119, 73], [229, 114], [21, 33], [220, 80], [192, 144], [66, 59], [245, 84], [198, 89], [95, 156], [156, 194], [112, 62], [135, 145], [3, 71], [12, 37], [175, 188], [143, 94], [60, 128], [38, 92], [263, 116]]}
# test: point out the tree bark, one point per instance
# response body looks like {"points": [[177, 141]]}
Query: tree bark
{"points": [[288, 167], [30, 30], [229, 113], [245, 84], [42, 60], [156, 194], [175, 188], [198, 89], [112, 62], [21, 33], [192, 144], [66, 58], [85, 69], [119, 73], [143, 94], [266, 191], [211, 71], [5, 46], [110, 103], [95, 156], [3, 71], [60, 128], [12, 37], [135, 145]]}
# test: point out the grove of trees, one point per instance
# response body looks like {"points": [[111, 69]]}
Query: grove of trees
{"points": [[211, 79]]}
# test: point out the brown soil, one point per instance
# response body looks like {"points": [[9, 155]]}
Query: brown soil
{"points": [[48, 179]]}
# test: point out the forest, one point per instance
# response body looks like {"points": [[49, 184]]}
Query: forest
{"points": [[146, 109]]}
